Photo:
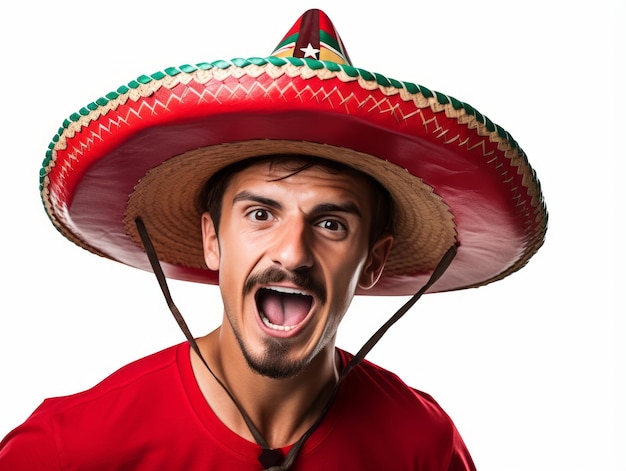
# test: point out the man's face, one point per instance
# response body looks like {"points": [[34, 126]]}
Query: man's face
{"points": [[291, 251]]}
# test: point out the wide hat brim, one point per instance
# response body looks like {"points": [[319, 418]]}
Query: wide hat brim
{"points": [[148, 149]]}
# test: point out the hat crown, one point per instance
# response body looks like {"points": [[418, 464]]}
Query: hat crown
{"points": [[313, 36]]}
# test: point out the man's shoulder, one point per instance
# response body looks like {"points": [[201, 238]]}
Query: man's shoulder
{"points": [[139, 374], [373, 384], [407, 420], [85, 426]]}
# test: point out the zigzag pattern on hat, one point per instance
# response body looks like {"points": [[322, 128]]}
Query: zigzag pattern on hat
{"points": [[149, 95]]}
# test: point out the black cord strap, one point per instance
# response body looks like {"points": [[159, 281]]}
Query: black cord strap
{"points": [[158, 272], [442, 266], [270, 458]]}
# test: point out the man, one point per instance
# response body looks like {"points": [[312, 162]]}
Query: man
{"points": [[294, 182]]}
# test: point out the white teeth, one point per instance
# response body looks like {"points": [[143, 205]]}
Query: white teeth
{"points": [[284, 328], [283, 289]]}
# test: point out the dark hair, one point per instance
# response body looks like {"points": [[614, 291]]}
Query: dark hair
{"points": [[213, 191]]}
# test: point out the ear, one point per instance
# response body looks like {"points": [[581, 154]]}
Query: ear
{"points": [[375, 262], [210, 243]]}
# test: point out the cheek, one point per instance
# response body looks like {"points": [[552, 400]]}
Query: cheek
{"points": [[239, 255], [345, 281], [350, 269], [231, 285]]}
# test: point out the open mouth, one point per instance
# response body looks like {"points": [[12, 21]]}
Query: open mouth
{"points": [[282, 308]]}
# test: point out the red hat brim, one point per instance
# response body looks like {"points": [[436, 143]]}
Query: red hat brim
{"points": [[455, 176]]}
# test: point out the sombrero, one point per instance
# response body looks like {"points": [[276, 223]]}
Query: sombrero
{"points": [[146, 150]]}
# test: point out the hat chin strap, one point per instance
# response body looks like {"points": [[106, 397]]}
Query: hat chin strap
{"points": [[272, 459]]}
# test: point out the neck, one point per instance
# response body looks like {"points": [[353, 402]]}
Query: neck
{"points": [[281, 409]]}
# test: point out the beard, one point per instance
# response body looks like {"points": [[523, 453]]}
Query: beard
{"points": [[274, 362]]}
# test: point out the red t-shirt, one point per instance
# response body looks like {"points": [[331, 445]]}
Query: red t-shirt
{"points": [[151, 415]]}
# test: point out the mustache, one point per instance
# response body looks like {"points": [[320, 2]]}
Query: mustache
{"points": [[303, 280]]}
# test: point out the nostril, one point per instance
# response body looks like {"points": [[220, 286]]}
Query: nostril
{"points": [[292, 251]]}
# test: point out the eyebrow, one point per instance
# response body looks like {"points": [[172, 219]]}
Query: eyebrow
{"points": [[348, 207], [249, 196]]}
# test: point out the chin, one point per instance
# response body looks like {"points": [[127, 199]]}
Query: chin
{"points": [[273, 366], [274, 362]]}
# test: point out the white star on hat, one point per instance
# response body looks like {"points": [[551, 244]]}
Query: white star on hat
{"points": [[310, 51]]}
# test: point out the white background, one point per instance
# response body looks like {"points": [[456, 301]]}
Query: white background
{"points": [[530, 368]]}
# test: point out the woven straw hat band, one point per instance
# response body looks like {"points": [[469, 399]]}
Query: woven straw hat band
{"points": [[168, 198]]}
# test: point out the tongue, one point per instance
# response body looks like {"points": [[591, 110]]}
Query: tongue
{"points": [[284, 309]]}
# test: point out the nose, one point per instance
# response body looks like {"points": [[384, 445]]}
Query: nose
{"points": [[291, 247]]}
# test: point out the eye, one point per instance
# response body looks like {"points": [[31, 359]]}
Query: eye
{"points": [[259, 215], [332, 225]]}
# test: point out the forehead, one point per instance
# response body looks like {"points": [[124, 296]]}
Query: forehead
{"points": [[303, 176]]}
